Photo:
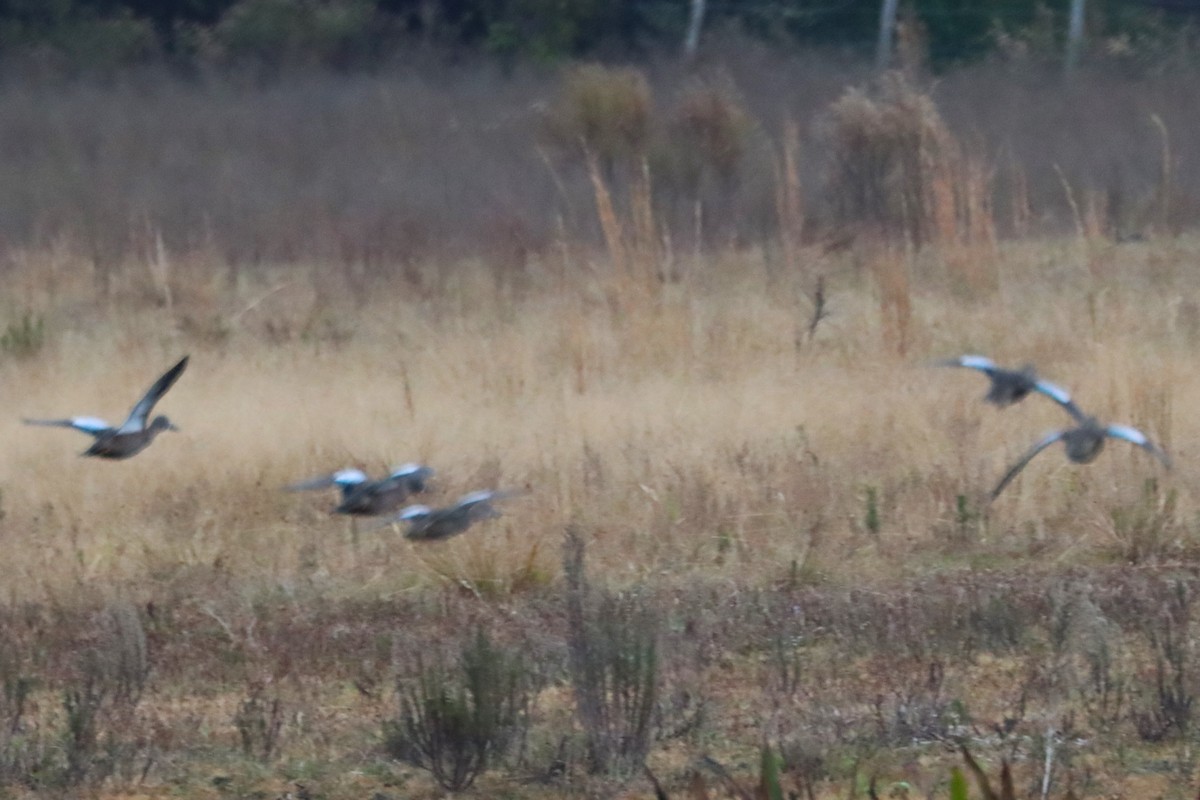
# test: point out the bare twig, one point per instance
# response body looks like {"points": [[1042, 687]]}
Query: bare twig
{"points": [[820, 311], [236, 317]]}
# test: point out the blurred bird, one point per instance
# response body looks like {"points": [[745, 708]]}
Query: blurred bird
{"points": [[1083, 443], [363, 497], [425, 523], [1009, 386], [134, 435]]}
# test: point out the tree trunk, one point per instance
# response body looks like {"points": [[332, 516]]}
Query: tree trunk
{"points": [[1074, 34], [887, 32], [691, 41]]}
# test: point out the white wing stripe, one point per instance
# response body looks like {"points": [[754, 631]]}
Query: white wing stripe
{"points": [[1128, 434], [1054, 391], [89, 424], [349, 477], [977, 362]]}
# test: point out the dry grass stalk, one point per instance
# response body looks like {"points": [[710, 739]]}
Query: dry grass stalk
{"points": [[970, 255], [789, 200], [890, 267], [610, 223], [944, 206], [1076, 215], [160, 267], [976, 188], [1165, 177], [1095, 215], [647, 244], [1084, 253], [1019, 201]]}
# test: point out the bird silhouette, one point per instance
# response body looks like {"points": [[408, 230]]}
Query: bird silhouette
{"points": [[1009, 386], [1083, 444], [133, 435], [363, 497], [431, 524]]}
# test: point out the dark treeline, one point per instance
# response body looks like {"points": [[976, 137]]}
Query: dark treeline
{"points": [[97, 34]]}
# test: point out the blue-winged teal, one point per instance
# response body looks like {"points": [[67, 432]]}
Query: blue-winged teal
{"points": [[428, 524], [134, 435], [1009, 386], [1083, 443], [362, 497]]}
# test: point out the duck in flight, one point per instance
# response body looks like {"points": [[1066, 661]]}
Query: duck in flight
{"points": [[431, 524], [1083, 443], [1009, 386], [363, 497], [133, 435]]}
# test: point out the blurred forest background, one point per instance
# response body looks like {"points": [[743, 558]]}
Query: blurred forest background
{"points": [[346, 33], [390, 131]]}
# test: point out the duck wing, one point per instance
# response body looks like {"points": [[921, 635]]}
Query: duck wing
{"points": [[93, 426], [478, 505], [348, 480], [1061, 396], [1046, 441], [981, 363], [137, 417], [1134, 436]]}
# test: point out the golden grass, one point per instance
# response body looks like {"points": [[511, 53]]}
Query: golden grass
{"points": [[697, 425], [684, 432]]}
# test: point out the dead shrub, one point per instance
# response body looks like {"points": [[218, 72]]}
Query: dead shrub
{"points": [[605, 111], [100, 701], [886, 148], [614, 664], [23, 752], [1166, 709], [455, 723], [259, 723], [708, 134]]}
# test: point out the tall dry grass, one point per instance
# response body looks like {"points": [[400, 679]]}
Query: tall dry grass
{"points": [[381, 172], [685, 434]]}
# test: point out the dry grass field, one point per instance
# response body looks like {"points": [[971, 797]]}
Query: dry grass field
{"points": [[715, 456], [741, 523]]}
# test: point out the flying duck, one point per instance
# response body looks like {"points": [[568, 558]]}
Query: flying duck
{"points": [[429, 524], [363, 497], [1083, 443], [1009, 386], [134, 435]]}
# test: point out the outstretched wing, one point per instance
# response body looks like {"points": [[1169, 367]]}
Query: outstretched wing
{"points": [[416, 516], [1060, 396], [90, 425], [981, 363], [478, 505], [348, 480], [1048, 440], [410, 477], [1134, 436], [137, 417], [410, 469]]}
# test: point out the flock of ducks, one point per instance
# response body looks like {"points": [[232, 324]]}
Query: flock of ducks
{"points": [[385, 497], [1083, 442], [360, 496]]}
